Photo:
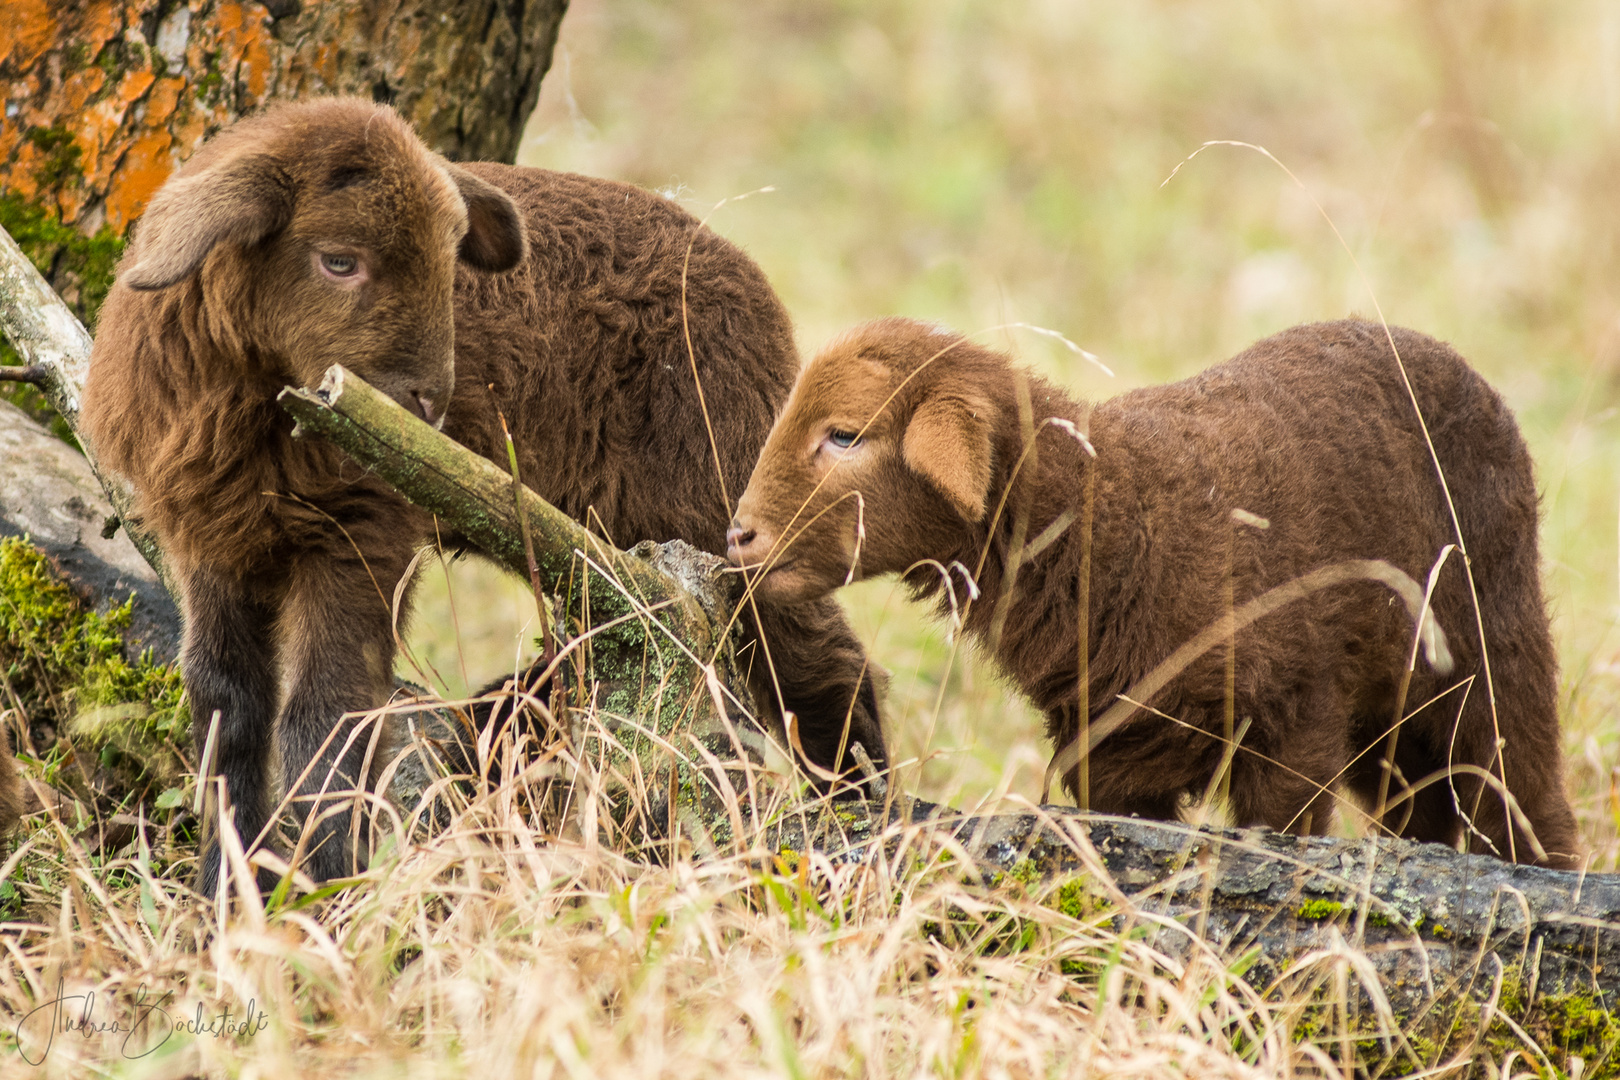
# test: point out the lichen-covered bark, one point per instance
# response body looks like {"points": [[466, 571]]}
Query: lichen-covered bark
{"points": [[47, 336], [1442, 933], [103, 99]]}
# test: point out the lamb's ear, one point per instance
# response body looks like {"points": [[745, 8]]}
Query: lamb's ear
{"points": [[947, 442], [495, 237], [242, 200]]}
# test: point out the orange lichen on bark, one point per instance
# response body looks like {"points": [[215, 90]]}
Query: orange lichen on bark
{"points": [[79, 87], [229, 19], [255, 53], [165, 97], [100, 136], [29, 164], [97, 127], [99, 23], [28, 28], [145, 165], [324, 63], [10, 137], [96, 117]]}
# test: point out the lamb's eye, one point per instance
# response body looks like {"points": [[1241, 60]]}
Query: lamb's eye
{"points": [[842, 439], [339, 265]]}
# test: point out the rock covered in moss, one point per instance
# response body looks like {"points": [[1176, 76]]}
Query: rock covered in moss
{"points": [[69, 668]]}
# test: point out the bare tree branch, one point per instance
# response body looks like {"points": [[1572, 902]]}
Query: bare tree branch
{"points": [[57, 347]]}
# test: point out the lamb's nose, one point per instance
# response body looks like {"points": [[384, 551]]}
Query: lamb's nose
{"points": [[737, 538], [430, 411]]}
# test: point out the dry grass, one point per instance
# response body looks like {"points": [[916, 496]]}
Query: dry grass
{"points": [[514, 943], [981, 164]]}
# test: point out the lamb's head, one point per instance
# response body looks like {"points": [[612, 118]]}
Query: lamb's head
{"points": [[882, 457], [325, 233]]}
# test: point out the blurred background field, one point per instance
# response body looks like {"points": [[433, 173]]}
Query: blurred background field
{"points": [[984, 164]]}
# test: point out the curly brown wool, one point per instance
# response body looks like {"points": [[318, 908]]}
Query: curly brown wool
{"points": [[325, 233], [1312, 429]]}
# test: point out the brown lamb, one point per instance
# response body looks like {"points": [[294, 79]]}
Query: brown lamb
{"points": [[324, 233], [1313, 430]]}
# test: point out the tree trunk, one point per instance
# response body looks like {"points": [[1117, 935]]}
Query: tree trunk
{"points": [[104, 99]]}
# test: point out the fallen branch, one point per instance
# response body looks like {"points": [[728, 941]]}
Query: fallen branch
{"points": [[658, 617], [474, 498]]}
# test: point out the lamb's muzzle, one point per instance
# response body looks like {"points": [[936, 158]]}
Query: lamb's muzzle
{"points": [[738, 541]]}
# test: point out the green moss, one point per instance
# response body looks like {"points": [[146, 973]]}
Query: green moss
{"points": [[1319, 909], [1074, 899], [1564, 1027], [54, 248], [1578, 1025], [61, 155], [60, 659], [210, 81], [1025, 872], [1000, 933]]}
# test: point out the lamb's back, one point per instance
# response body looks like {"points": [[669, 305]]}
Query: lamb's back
{"points": [[585, 344]]}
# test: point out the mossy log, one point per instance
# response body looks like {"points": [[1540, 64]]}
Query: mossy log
{"points": [[1458, 947]]}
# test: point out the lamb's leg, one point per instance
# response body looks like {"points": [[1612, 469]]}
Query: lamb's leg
{"points": [[825, 678], [338, 649], [1108, 798], [228, 658], [1296, 793], [1526, 681], [1426, 815], [1532, 756], [1144, 776], [1287, 769]]}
